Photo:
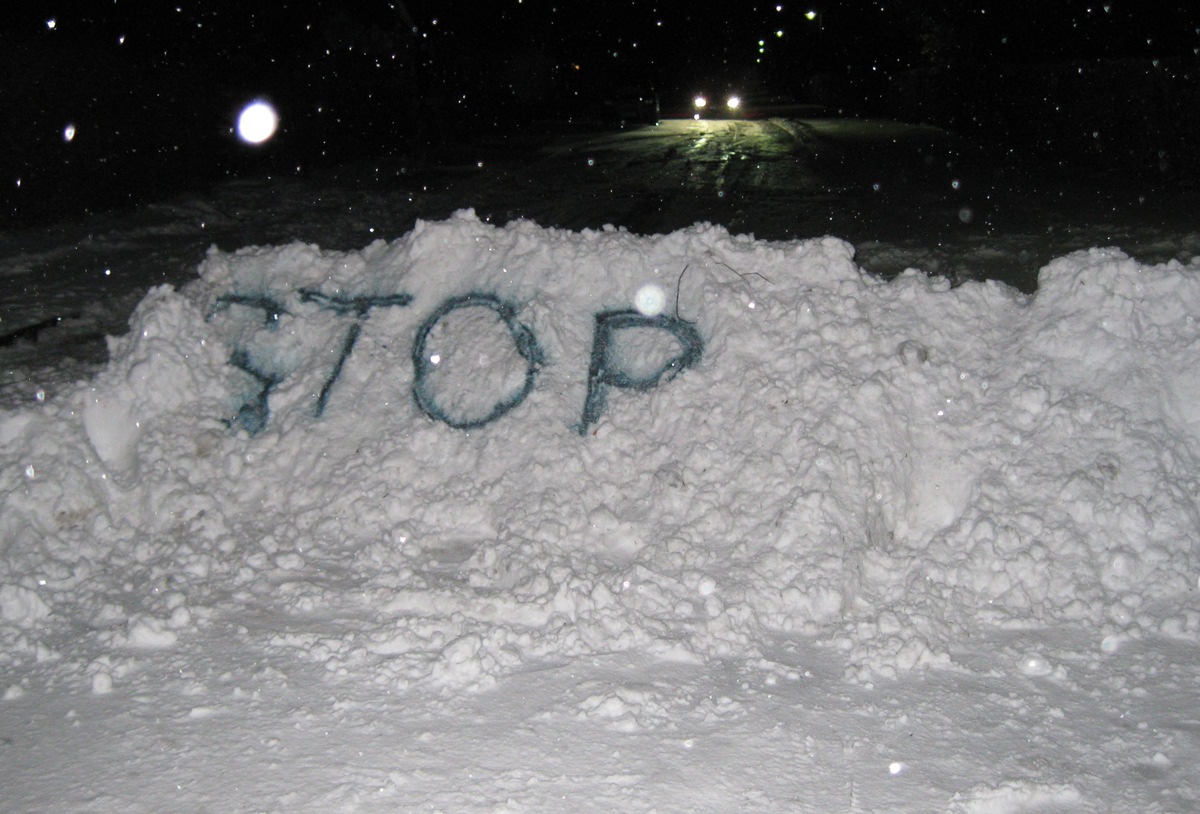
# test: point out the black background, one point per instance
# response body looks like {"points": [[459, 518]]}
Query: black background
{"points": [[152, 89]]}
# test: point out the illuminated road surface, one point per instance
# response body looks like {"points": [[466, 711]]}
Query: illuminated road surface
{"points": [[777, 178], [904, 195]]}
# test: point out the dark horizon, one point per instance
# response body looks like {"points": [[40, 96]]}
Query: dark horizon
{"points": [[148, 91]]}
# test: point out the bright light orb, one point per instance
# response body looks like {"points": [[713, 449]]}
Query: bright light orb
{"points": [[650, 300], [1035, 664], [257, 123], [700, 101], [734, 102]]}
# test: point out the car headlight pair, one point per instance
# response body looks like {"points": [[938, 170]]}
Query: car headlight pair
{"points": [[733, 102]]}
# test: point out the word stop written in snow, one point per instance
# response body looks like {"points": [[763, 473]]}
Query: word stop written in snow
{"points": [[628, 352]]}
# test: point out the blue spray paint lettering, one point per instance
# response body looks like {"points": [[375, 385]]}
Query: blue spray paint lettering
{"points": [[523, 339], [607, 369], [255, 411], [358, 307]]}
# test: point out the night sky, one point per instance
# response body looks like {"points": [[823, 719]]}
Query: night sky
{"points": [[117, 94]]}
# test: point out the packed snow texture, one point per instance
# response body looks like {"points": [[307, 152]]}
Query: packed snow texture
{"points": [[880, 469]]}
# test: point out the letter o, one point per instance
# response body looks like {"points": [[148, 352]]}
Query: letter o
{"points": [[523, 339]]}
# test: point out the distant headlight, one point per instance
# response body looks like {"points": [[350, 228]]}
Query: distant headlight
{"points": [[734, 102], [700, 102]]}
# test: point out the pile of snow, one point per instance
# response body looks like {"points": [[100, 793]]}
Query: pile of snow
{"points": [[881, 467]]}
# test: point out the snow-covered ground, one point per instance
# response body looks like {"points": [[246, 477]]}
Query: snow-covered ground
{"points": [[480, 517]]}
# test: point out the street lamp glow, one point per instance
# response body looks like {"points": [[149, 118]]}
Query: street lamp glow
{"points": [[810, 16]]}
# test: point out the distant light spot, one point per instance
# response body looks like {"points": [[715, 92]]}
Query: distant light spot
{"points": [[650, 299], [257, 123], [51, 23], [69, 133], [1035, 664]]}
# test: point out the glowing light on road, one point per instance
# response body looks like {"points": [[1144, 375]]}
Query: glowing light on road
{"points": [[734, 102], [257, 123], [700, 101]]}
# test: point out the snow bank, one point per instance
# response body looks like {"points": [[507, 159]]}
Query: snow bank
{"points": [[398, 442]]}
